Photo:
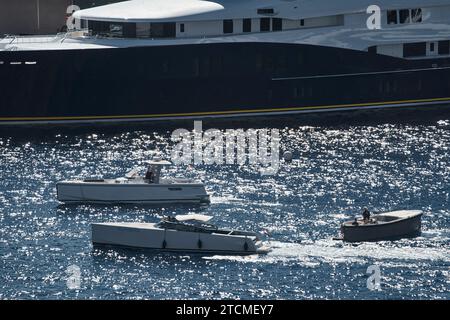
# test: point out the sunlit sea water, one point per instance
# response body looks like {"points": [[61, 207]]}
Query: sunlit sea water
{"points": [[336, 171]]}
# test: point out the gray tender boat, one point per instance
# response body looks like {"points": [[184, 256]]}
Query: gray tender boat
{"points": [[384, 226], [183, 233]]}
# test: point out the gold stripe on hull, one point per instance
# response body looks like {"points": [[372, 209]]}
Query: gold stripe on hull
{"points": [[233, 112]]}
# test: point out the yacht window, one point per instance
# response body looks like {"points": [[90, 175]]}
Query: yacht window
{"points": [[163, 30], [405, 16], [196, 67], [387, 87], [216, 64], [277, 24], [300, 59], [392, 17], [259, 62], [302, 22], [432, 47], [418, 49], [165, 66], [116, 30], [268, 63], [444, 47], [227, 26], [266, 11], [129, 30], [182, 27], [99, 27], [416, 15], [247, 25], [143, 30], [265, 24]]}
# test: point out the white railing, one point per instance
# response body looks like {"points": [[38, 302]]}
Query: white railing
{"points": [[11, 39]]}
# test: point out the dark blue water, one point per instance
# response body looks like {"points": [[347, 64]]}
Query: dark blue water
{"points": [[336, 171]]}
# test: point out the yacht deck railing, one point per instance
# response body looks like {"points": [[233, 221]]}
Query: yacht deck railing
{"points": [[14, 39], [59, 37]]}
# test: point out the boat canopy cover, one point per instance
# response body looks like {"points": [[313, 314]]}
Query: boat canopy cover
{"points": [[159, 162], [195, 217], [402, 214]]}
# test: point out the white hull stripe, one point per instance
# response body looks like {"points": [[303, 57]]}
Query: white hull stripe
{"points": [[360, 74]]}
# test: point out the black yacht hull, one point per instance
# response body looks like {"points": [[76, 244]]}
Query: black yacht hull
{"points": [[209, 80]]}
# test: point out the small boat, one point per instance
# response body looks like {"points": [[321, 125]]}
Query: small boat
{"points": [[134, 189], [384, 226], [183, 233]]}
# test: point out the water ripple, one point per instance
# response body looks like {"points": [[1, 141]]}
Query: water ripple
{"points": [[336, 171]]}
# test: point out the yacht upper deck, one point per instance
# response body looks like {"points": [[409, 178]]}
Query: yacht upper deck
{"points": [[315, 22]]}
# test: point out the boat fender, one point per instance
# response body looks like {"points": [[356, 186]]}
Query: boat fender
{"points": [[164, 244], [199, 244]]}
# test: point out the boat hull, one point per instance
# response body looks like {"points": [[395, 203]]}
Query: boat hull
{"points": [[209, 80], [147, 236], [130, 193], [401, 228]]}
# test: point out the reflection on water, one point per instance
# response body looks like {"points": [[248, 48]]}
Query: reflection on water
{"points": [[336, 171]]}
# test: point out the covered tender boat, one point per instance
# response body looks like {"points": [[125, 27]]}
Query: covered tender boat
{"points": [[133, 188], [384, 226], [185, 233]]}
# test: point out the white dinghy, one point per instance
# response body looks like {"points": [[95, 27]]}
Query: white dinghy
{"points": [[135, 189], [184, 233]]}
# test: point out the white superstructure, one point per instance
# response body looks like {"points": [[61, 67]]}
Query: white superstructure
{"points": [[340, 24]]}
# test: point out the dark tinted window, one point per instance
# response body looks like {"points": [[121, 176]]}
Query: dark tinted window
{"points": [[418, 49], [99, 27], [116, 30], [392, 17], [163, 30], [266, 11], [432, 47], [227, 26], [277, 24], [182, 27], [404, 16], [165, 66], [265, 24], [444, 47], [247, 25], [416, 15], [196, 67], [129, 30], [302, 22]]}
